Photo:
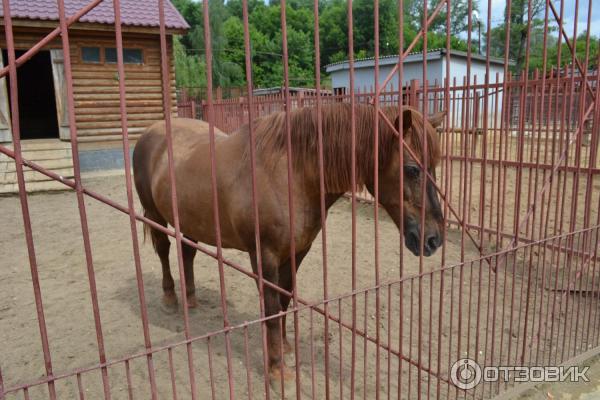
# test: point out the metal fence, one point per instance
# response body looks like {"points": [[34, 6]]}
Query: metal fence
{"points": [[514, 283]]}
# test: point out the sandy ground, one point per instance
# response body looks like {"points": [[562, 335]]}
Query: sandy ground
{"points": [[570, 390], [465, 311]]}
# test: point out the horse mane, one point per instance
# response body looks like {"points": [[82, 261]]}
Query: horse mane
{"points": [[271, 141]]}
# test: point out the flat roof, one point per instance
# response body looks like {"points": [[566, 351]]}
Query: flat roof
{"points": [[280, 89], [414, 57]]}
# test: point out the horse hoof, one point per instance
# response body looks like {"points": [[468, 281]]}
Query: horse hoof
{"points": [[288, 353], [169, 304], [285, 386], [192, 302]]}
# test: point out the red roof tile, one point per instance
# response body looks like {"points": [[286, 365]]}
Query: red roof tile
{"points": [[133, 12]]}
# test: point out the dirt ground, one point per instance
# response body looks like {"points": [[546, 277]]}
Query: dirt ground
{"points": [[474, 313], [570, 390]]}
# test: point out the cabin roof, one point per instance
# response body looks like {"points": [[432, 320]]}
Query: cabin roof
{"points": [[143, 13]]}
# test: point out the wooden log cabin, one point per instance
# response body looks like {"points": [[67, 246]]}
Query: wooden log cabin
{"points": [[43, 111]]}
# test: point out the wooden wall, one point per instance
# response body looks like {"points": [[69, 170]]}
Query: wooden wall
{"points": [[96, 90]]}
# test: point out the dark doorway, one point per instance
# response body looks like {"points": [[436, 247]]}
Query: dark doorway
{"points": [[37, 104]]}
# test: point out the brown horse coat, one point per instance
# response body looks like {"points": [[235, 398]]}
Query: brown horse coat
{"points": [[234, 186]]}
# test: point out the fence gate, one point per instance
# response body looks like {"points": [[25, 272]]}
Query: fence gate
{"points": [[408, 299]]}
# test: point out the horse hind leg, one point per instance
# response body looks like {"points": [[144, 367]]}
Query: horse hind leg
{"points": [[189, 253], [162, 247]]}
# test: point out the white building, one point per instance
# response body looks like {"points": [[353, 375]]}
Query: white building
{"points": [[364, 76], [413, 69]]}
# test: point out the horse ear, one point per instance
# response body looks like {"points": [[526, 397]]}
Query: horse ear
{"points": [[436, 119], [406, 121]]}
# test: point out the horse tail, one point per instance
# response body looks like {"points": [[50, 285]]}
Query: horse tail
{"points": [[147, 228], [141, 175]]}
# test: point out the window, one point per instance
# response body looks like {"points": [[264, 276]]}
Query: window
{"points": [[130, 56], [90, 54]]}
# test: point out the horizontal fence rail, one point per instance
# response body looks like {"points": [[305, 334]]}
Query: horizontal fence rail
{"points": [[437, 222]]}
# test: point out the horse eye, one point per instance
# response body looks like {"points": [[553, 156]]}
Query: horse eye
{"points": [[411, 171]]}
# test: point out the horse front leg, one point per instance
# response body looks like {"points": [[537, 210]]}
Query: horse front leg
{"points": [[277, 367], [286, 282]]}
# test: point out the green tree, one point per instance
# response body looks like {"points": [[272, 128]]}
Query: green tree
{"points": [[459, 11], [520, 29], [333, 30], [190, 70], [580, 52], [227, 36]]}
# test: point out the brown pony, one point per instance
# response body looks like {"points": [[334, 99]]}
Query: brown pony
{"points": [[194, 192]]}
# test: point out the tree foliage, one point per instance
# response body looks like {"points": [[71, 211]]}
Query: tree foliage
{"points": [[227, 37], [526, 28]]}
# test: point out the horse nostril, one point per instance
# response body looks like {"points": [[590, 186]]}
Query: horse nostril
{"points": [[432, 242]]}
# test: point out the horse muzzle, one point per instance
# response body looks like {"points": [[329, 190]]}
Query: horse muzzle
{"points": [[432, 241]]}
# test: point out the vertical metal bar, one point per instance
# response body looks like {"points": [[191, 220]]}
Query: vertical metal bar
{"points": [[376, 200], [542, 202], [559, 220], [430, 345], [322, 194], [596, 232], [519, 177], [578, 159], [255, 210], [365, 341], [463, 202], [130, 201], [424, 179], [247, 363], [79, 387], [210, 369], [79, 192], [312, 354], [388, 342], [504, 123], [559, 198], [554, 137], [353, 192], [172, 372], [447, 176], [451, 317], [281, 377], [172, 179], [401, 91], [535, 127], [592, 163], [341, 338], [410, 336], [494, 292], [482, 193], [291, 212], [16, 136], [469, 129], [569, 126], [215, 195]]}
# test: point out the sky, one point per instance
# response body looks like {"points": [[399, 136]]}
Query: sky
{"points": [[499, 5]]}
